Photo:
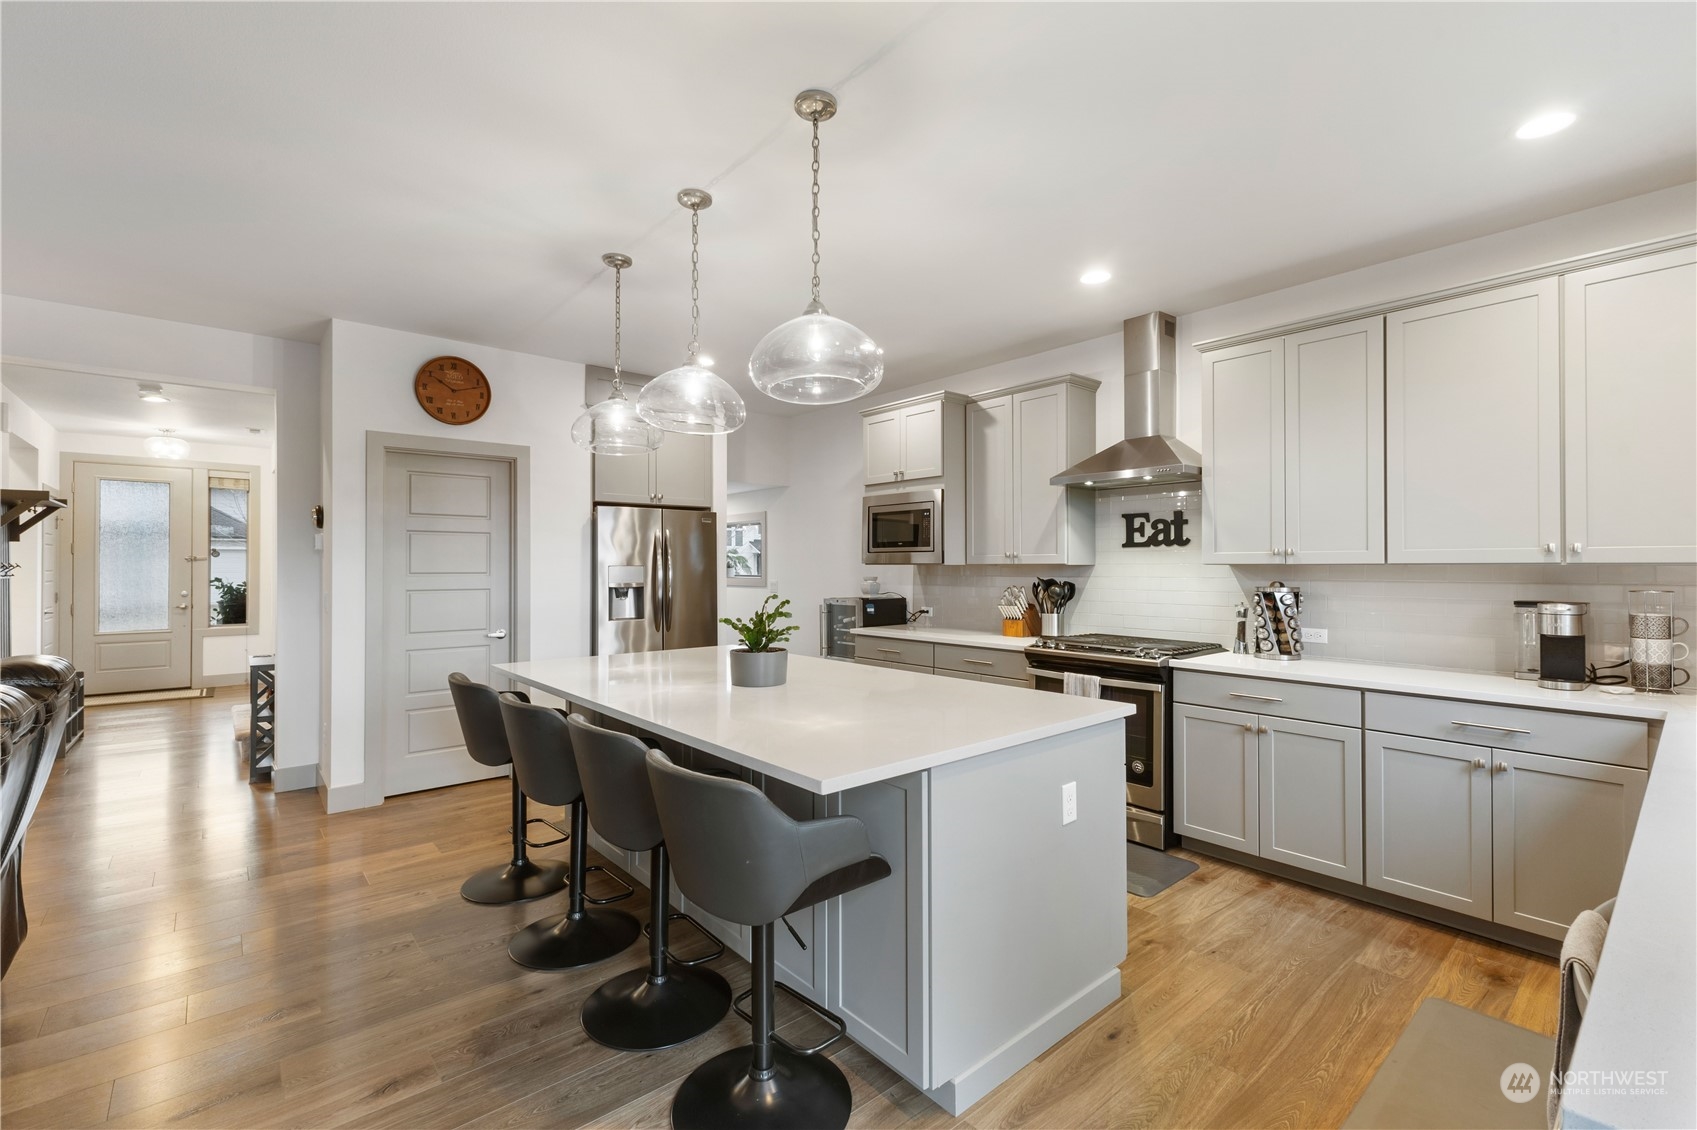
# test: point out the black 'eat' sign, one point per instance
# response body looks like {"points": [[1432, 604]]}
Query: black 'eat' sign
{"points": [[1143, 530]]}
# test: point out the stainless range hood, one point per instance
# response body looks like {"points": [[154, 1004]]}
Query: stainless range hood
{"points": [[1149, 454]]}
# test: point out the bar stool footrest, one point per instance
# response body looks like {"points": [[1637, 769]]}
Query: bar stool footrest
{"points": [[528, 842], [824, 1014], [680, 916], [620, 897]]}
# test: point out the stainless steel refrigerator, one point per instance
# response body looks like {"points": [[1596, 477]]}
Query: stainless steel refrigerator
{"points": [[656, 577]]}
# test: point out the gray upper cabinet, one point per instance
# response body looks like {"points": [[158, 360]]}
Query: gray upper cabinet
{"points": [[1560, 830], [1216, 768], [1473, 428], [912, 440], [1310, 788], [678, 473], [1295, 467], [1630, 353], [1017, 441], [1428, 822]]}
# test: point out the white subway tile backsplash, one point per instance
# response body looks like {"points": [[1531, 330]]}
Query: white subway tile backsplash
{"points": [[1450, 616]]}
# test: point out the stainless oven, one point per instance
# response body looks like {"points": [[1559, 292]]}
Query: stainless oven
{"points": [[1145, 750], [903, 529]]}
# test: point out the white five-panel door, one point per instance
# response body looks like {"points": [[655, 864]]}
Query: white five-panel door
{"points": [[447, 593], [131, 604]]}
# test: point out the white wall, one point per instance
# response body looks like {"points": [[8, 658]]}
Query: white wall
{"points": [[31, 329], [533, 403], [29, 460]]}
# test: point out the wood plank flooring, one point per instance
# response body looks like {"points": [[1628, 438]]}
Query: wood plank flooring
{"points": [[203, 953]]}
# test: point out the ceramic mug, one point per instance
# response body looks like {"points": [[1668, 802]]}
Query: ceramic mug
{"points": [[1659, 651]]}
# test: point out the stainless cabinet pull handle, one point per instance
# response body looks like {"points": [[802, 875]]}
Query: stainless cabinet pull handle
{"points": [[1578, 548], [1488, 726], [1478, 763], [1550, 547], [1263, 729], [1502, 767], [980, 662], [889, 651], [1256, 697], [1249, 726], [499, 634]]}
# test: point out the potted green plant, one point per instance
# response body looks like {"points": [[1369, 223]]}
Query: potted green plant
{"points": [[230, 601], [760, 662]]}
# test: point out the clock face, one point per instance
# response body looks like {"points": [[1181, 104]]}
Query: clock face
{"points": [[452, 389]]}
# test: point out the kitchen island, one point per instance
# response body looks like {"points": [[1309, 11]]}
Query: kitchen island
{"points": [[1001, 927]]}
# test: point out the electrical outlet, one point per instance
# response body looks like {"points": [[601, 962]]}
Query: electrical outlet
{"points": [[1069, 802], [1314, 635]]}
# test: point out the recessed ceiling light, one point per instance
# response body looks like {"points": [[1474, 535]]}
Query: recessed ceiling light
{"points": [[1545, 124], [153, 394], [1096, 276]]}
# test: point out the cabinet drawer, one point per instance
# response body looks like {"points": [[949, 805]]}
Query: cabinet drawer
{"points": [[893, 666], [1584, 737], [980, 661], [915, 652], [1022, 681], [1337, 705]]}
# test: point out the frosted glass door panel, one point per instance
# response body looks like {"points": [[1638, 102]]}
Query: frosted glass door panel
{"points": [[134, 556]]}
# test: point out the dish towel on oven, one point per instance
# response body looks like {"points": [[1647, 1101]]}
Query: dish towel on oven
{"points": [[1086, 686]]}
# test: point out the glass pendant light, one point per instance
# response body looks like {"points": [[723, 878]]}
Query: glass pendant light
{"points": [[816, 359], [612, 427], [692, 398]]}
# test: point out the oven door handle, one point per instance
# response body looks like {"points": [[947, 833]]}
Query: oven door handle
{"points": [[1123, 684]]}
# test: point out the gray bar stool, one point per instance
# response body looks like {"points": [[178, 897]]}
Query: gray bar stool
{"points": [[669, 1002], [543, 761], [743, 859], [523, 879]]}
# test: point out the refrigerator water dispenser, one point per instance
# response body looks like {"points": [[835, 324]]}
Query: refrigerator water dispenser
{"points": [[625, 587]]}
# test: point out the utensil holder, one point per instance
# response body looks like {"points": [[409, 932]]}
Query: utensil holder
{"points": [[1051, 623]]}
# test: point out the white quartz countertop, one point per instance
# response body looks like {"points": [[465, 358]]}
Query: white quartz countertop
{"points": [[960, 637], [1470, 685], [832, 726], [1642, 1015]]}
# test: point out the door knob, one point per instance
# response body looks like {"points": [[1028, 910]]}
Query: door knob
{"points": [[499, 634], [182, 608]]}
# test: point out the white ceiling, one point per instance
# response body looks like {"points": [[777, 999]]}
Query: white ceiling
{"points": [[76, 401], [458, 169]]}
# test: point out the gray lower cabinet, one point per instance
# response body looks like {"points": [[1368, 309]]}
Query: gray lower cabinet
{"points": [[1216, 768], [1310, 788], [1428, 822], [1560, 831], [1280, 788]]}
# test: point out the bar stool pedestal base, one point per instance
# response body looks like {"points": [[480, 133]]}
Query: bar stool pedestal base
{"points": [[565, 942], [635, 1014], [515, 882], [805, 1092]]}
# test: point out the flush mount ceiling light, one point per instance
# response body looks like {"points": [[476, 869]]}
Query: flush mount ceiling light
{"points": [[612, 427], [166, 445], [1096, 276], [816, 359], [692, 398], [152, 393], [1545, 124]]}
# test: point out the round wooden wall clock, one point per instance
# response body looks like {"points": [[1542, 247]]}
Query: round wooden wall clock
{"points": [[452, 390]]}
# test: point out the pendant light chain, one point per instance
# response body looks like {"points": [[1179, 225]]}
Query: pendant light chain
{"points": [[694, 283], [816, 207], [618, 303]]}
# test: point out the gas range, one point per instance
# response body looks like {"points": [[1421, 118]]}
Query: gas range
{"points": [[1117, 651]]}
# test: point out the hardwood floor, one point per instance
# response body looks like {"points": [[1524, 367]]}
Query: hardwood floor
{"points": [[203, 953]]}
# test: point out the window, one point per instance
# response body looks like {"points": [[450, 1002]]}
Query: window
{"points": [[227, 549], [746, 550], [133, 573]]}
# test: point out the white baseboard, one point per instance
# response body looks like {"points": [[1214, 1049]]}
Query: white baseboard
{"points": [[289, 778], [343, 798]]}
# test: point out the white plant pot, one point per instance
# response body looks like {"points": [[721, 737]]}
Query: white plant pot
{"points": [[759, 668]]}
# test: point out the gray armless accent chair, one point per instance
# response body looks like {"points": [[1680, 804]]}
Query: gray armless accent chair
{"points": [[743, 859], [670, 1001], [543, 763], [523, 879]]}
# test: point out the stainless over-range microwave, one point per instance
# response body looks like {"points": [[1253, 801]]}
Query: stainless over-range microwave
{"points": [[903, 529]]}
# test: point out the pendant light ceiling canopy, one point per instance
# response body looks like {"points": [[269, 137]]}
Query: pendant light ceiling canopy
{"points": [[612, 427], [692, 398], [816, 358]]}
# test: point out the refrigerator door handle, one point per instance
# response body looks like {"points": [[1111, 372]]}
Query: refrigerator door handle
{"points": [[654, 582], [666, 564]]}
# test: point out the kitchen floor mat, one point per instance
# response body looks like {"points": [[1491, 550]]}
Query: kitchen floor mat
{"points": [[1149, 872], [1451, 1067]]}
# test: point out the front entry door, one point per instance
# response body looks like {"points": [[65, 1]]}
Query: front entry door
{"points": [[130, 546], [447, 606]]}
